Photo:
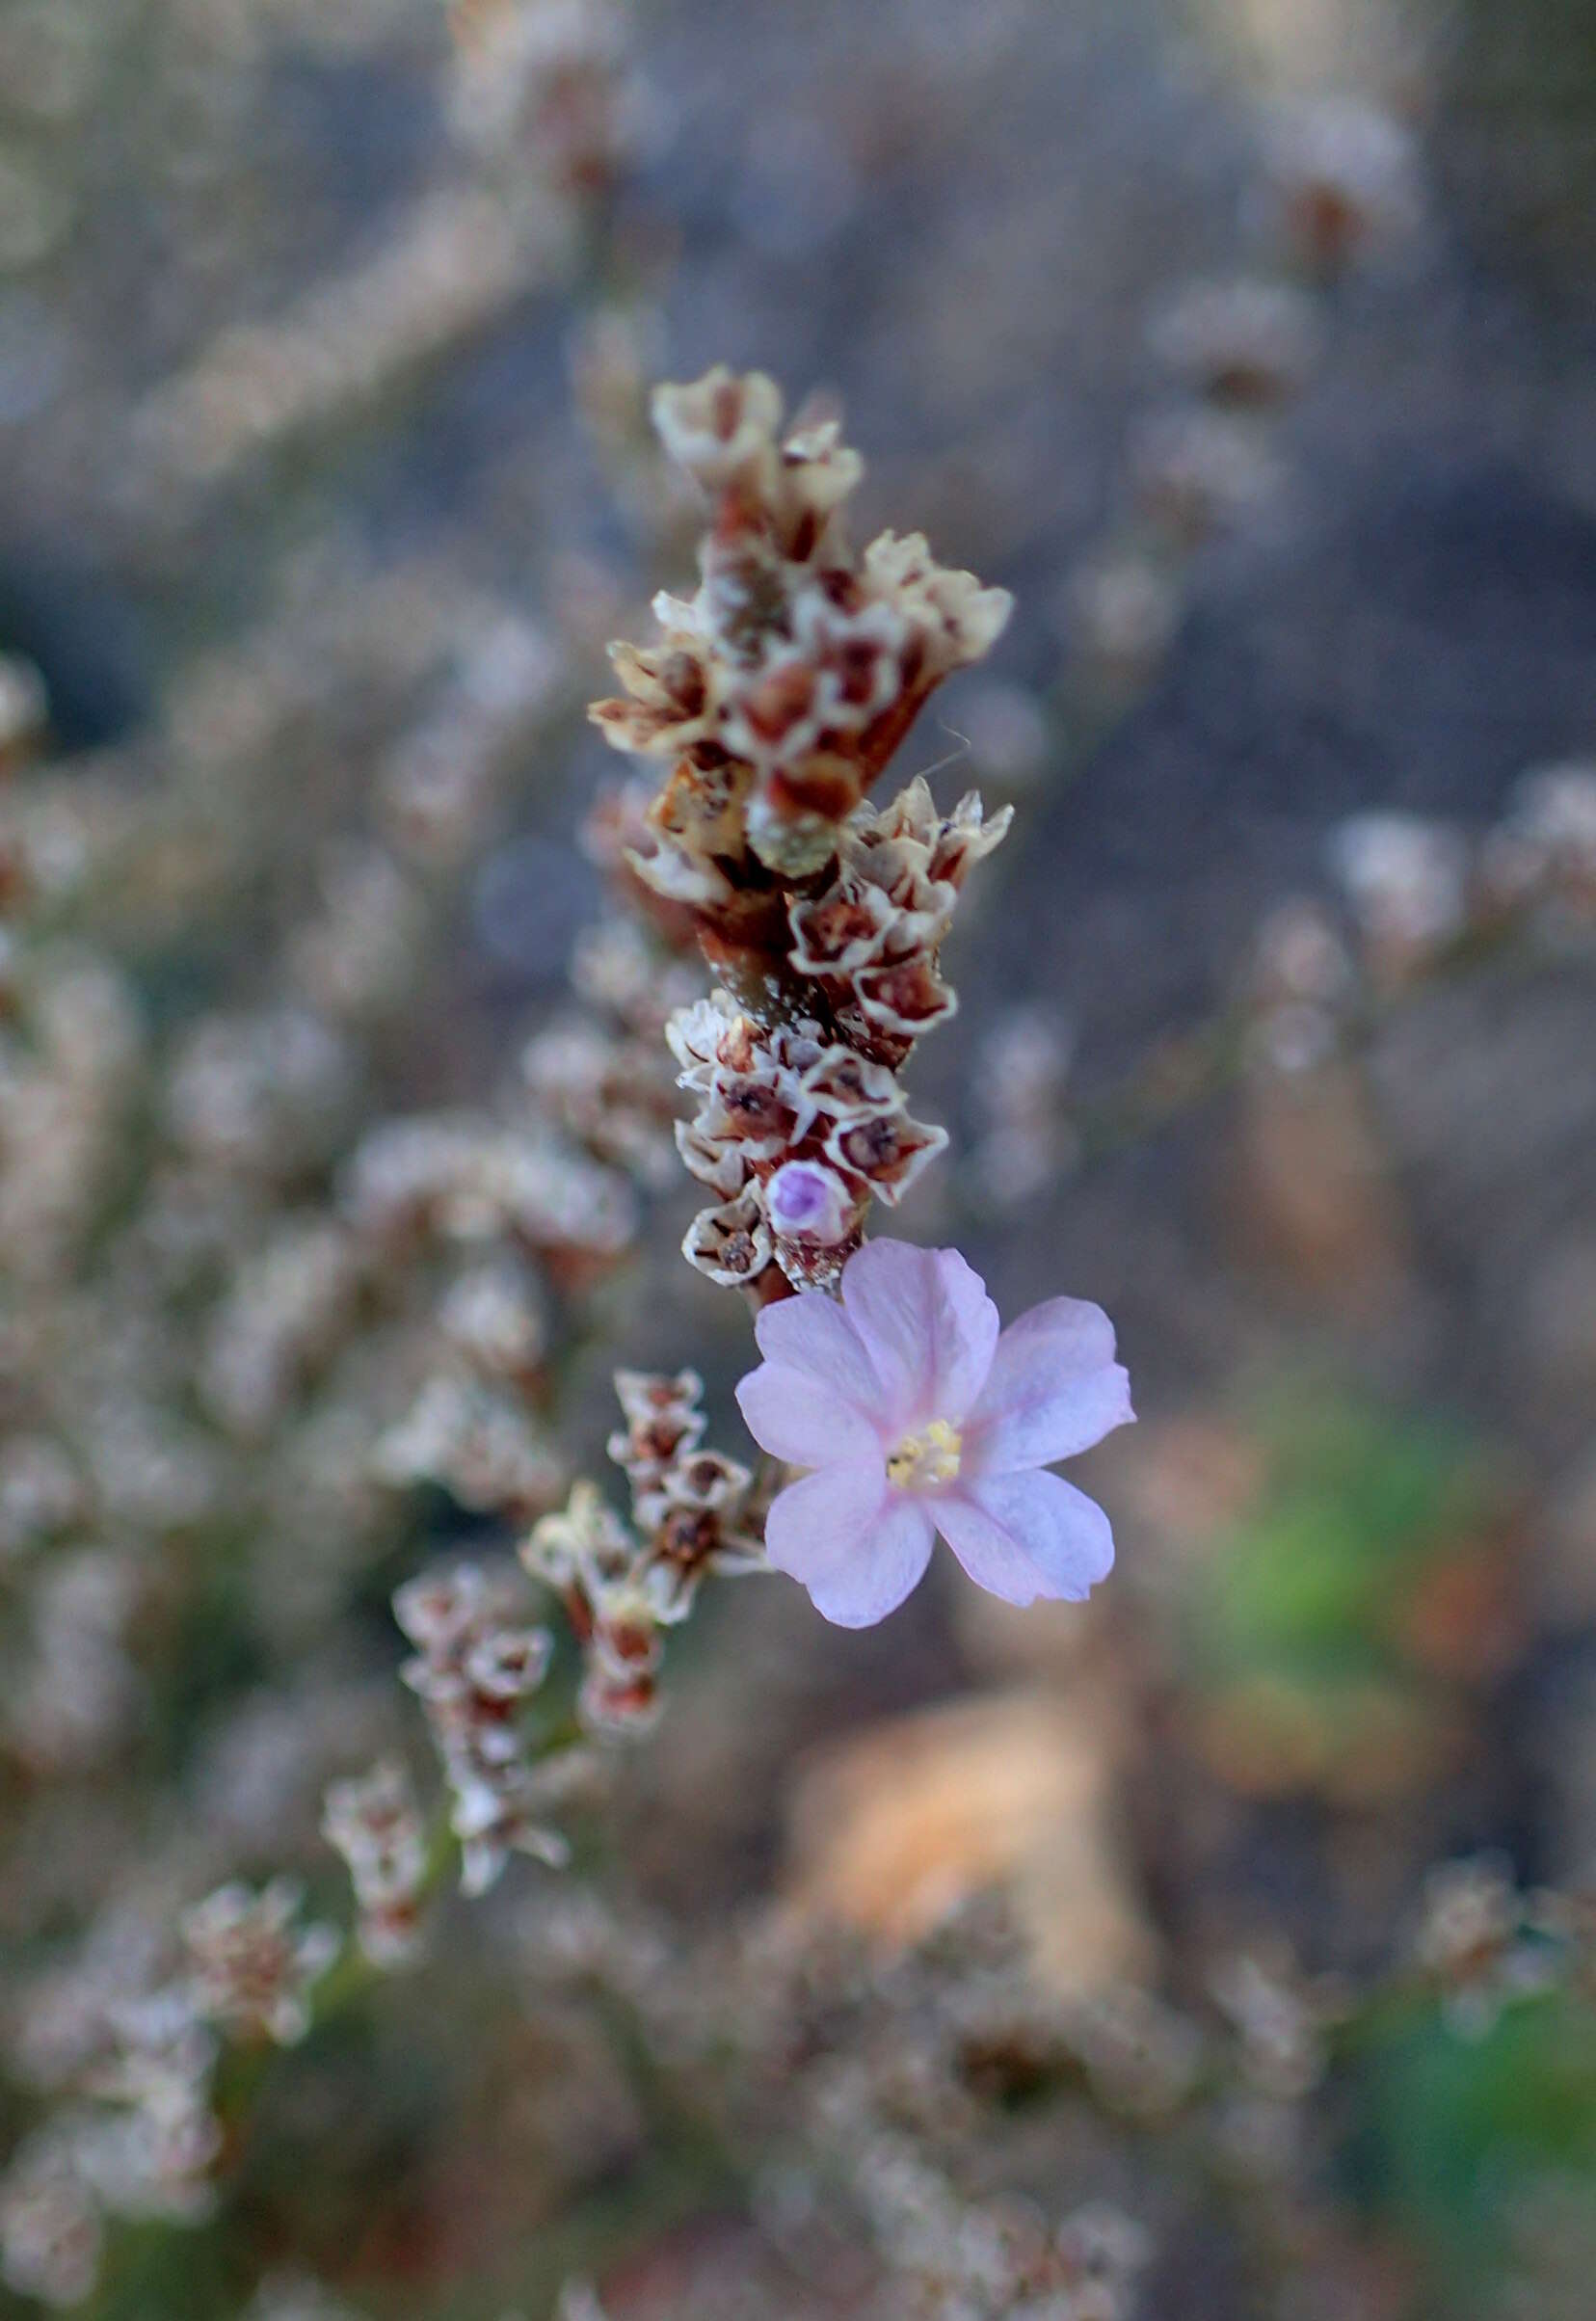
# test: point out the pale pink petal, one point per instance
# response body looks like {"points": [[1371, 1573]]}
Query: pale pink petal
{"points": [[873, 1577], [1027, 1535], [857, 1547], [1053, 1389], [928, 1326], [821, 1517], [812, 1333], [791, 1414]]}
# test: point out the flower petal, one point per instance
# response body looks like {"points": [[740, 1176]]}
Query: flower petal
{"points": [[857, 1547], [1053, 1389], [817, 1518], [812, 1333], [927, 1326], [791, 1414], [873, 1577], [1028, 1535]]}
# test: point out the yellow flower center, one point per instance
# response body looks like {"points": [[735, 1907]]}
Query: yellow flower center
{"points": [[921, 1462]]}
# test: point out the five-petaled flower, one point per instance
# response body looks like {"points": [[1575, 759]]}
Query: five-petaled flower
{"points": [[917, 1418]]}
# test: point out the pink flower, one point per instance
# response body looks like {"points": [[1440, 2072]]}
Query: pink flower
{"points": [[918, 1418]]}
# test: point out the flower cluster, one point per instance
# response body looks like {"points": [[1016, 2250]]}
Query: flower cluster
{"points": [[1280, 2020], [80, 1691], [780, 689], [263, 1096], [1197, 470], [50, 2227], [289, 1306], [303, 1251], [776, 698], [692, 1517], [887, 2071], [1419, 892], [795, 1132], [1419, 897], [441, 785], [473, 1179], [1406, 883], [140, 2137], [372, 1819], [451, 264], [151, 2151], [252, 1964], [1345, 178], [475, 1439], [1301, 982], [524, 1211], [1250, 341], [956, 2260], [1337, 183], [1484, 1945], [142, 2145], [63, 1096], [870, 940], [477, 1663], [294, 2296], [604, 1084], [1543, 851], [544, 87]]}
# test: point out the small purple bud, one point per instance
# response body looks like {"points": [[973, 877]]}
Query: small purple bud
{"points": [[807, 1202]]}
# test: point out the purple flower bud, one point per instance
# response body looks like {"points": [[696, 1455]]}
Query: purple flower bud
{"points": [[806, 1201]]}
